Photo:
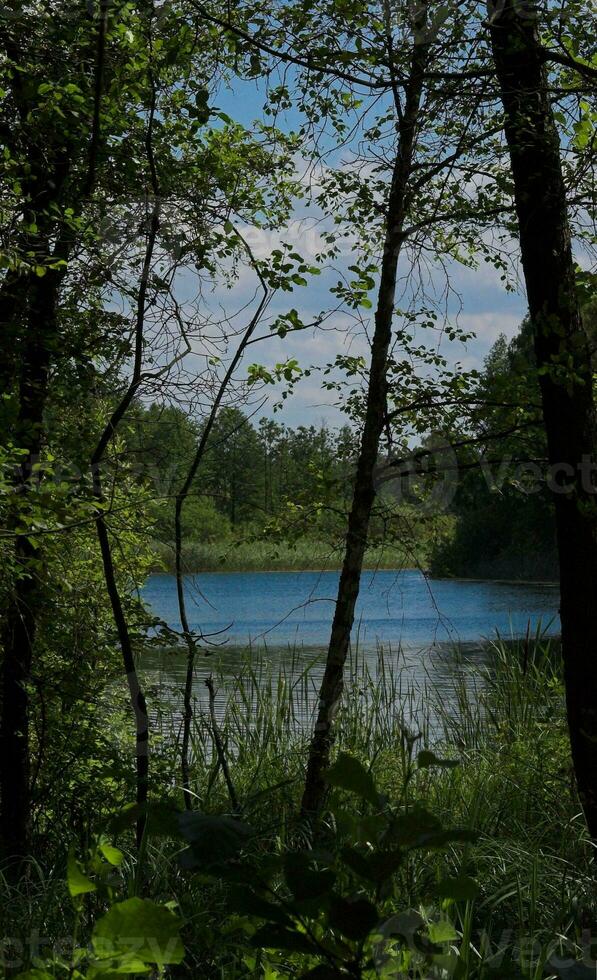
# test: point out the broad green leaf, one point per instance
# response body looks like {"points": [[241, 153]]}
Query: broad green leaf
{"points": [[354, 919], [279, 937], [305, 882], [141, 927], [409, 827], [442, 932], [350, 774], [461, 888], [112, 854], [375, 866], [126, 964], [78, 883], [213, 839], [243, 900]]}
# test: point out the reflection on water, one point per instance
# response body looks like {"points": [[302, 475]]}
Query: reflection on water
{"points": [[404, 683], [394, 607], [414, 640]]}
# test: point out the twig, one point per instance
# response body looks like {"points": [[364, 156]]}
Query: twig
{"points": [[218, 743]]}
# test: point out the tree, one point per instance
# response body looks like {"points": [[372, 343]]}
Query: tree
{"points": [[505, 525], [118, 100], [50, 131], [563, 360], [416, 195]]}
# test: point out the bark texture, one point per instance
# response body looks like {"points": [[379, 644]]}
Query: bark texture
{"points": [[376, 410], [564, 362]]}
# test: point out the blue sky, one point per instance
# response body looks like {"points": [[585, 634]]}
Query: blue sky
{"points": [[479, 301]]}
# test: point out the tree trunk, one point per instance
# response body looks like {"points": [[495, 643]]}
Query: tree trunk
{"points": [[19, 632], [376, 410], [564, 363], [137, 696], [181, 498]]}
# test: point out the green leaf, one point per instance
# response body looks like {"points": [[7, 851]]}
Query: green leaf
{"points": [[305, 882], [460, 888], [376, 866], [243, 900], [350, 774], [34, 975], [279, 937], [409, 827], [213, 839], [78, 883], [323, 972], [125, 964], [419, 828], [442, 932], [112, 854], [139, 926]]}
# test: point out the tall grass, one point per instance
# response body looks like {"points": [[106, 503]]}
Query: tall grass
{"points": [[229, 556], [503, 721]]}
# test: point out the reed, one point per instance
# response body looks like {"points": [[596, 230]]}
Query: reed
{"points": [[505, 723]]}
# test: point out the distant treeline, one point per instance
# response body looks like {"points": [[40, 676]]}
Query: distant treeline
{"points": [[268, 495]]}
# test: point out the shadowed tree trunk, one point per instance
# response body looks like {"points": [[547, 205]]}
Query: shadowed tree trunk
{"points": [[19, 631], [33, 299], [364, 486], [181, 498], [564, 363]]}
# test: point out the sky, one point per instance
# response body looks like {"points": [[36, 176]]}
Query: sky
{"points": [[479, 302]]}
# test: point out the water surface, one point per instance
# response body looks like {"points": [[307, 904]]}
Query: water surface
{"points": [[395, 607]]}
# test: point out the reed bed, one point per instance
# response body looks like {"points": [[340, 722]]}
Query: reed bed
{"points": [[505, 723]]}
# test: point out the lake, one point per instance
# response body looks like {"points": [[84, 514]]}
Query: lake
{"points": [[424, 631], [395, 607]]}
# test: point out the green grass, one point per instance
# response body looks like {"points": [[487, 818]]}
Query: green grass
{"points": [[260, 556], [513, 785]]}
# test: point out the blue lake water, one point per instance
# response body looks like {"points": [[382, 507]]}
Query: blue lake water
{"points": [[426, 635], [395, 607]]}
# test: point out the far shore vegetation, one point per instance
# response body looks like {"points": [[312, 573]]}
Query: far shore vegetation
{"points": [[274, 497]]}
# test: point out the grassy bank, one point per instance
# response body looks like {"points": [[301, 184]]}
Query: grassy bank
{"points": [[260, 556], [510, 902]]}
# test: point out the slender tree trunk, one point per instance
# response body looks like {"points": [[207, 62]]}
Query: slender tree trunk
{"points": [[181, 498], [564, 363], [376, 410], [138, 702], [137, 696]]}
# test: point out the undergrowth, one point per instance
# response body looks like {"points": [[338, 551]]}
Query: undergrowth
{"points": [[512, 896]]}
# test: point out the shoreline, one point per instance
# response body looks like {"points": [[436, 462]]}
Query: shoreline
{"points": [[546, 583]]}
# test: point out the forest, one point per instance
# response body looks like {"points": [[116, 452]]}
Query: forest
{"points": [[298, 464]]}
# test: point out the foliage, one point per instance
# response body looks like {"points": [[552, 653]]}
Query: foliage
{"points": [[504, 514], [134, 936], [512, 789]]}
